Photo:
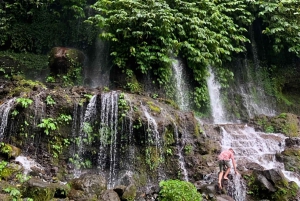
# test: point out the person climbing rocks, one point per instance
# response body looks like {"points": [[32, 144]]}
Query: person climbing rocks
{"points": [[224, 164]]}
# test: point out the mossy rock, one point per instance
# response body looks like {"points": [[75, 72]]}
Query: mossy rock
{"points": [[272, 185], [285, 123], [291, 159], [153, 107], [43, 191], [129, 193], [9, 151], [9, 171]]}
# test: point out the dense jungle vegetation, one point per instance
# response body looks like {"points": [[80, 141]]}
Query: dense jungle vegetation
{"points": [[144, 35]]}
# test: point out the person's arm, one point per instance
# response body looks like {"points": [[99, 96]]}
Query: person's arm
{"points": [[234, 165]]}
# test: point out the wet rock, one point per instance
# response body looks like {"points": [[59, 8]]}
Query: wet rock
{"points": [[9, 151], [120, 190], [110, 195], [224, 198], [39, 190], [292, 141], [129, 193], [87, 186]]}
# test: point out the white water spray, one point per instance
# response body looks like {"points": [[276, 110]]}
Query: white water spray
{"points": [[216, 104], [108, 134], [4, 112], [182, 89]]}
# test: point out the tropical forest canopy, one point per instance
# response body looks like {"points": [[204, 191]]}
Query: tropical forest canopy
{"points": [[145, 35]]}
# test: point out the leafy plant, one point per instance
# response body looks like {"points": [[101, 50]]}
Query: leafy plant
{"points": [[48, 125], [13, 192], [25, 102], [178, 190], [50, 101]]}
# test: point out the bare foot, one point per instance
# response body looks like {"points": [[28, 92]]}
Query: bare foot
{"points": [[225, 178], [220, 186]]}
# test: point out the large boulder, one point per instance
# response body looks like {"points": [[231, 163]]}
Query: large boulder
{"points": [[272, 185], [87, 187], [66, 61], [39, 190]]}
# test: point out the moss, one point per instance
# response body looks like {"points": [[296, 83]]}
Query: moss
{"points": [[129, 193], [168, 136], [153, 107], [9, 171]]}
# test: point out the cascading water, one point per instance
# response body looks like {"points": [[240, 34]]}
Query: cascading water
{"points": [[85, 120], [253, 90], [182, 89], [97, 74], [153, 137], [253, 149], [179, 147], [4, 112], [216, 104], [108, 134]]}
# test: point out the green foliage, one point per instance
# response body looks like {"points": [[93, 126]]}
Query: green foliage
{"points": [[50, 101], [123, 106], [14, 193], [48, 125], [36, 25], [282, 21], [24, 102], [146, 39], [176, 190], [78, 163], [22, 177], [188, 149], [3, 164]]}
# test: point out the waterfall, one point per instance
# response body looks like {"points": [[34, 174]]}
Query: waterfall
{"points": [[153, 137], [81, 140], [216, 103], [182, 89], [253, 90], [39, 109], [4, 112], [108, 134], [98, 71]]}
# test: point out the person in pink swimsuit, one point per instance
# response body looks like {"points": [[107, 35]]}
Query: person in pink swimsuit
{"points": [[224, 162]]}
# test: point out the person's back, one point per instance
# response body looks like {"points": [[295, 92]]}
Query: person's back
{"points": [[226, 155]]}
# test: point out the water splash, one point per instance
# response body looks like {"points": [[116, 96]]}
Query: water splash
{"points": [[182, 89], [4, 112], [216, 103], [28, 163]]}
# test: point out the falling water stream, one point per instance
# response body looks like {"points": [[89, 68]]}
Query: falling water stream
{"points": [[182, 92], [216, 104], [4, 112]]}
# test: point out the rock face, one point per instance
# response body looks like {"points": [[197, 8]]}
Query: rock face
{"points": [[132, 140]]}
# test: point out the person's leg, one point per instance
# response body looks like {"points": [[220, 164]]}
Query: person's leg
{"points": [[226, 173], [227, 164], [220, 179], [220, 174]]}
